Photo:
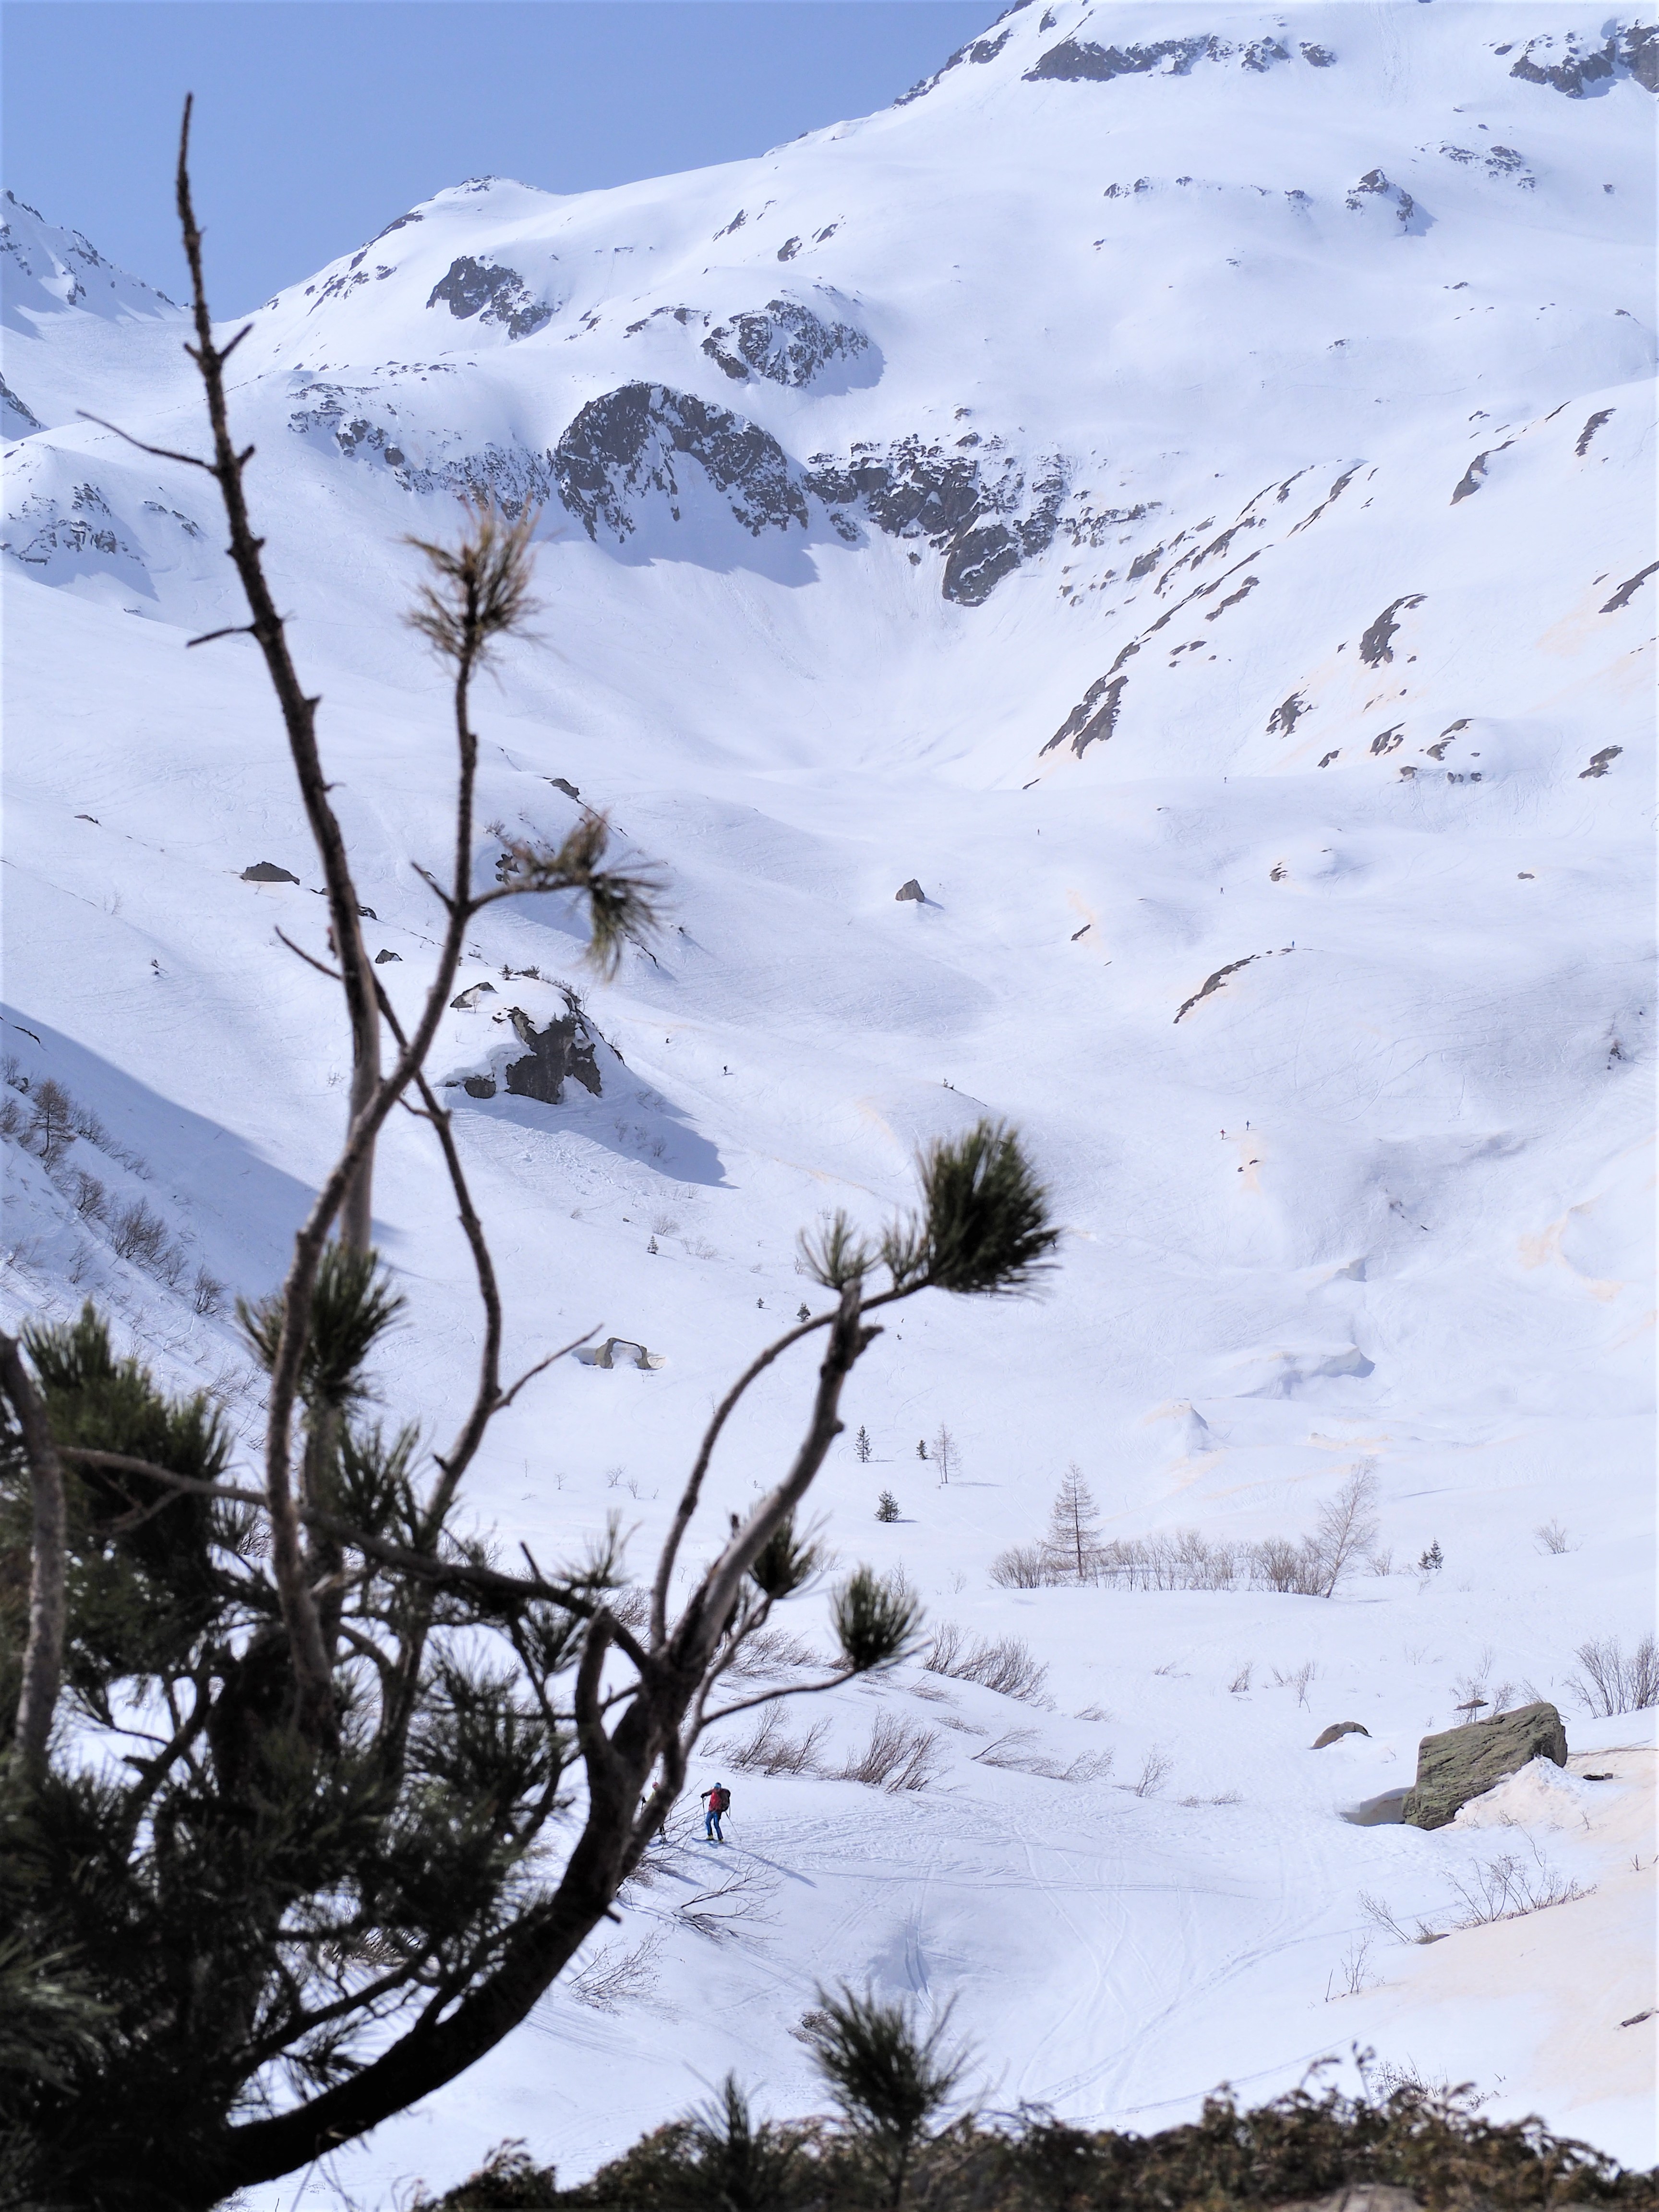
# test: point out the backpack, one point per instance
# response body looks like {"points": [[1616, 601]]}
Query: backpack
{"points": [[720, 1798]]}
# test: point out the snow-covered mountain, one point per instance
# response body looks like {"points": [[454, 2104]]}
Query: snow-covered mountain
{"points": [[1177, 485]]}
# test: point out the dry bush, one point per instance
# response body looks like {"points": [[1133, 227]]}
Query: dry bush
{"points": [[770, 1749], [1022, 1566], [137, 1234], [1002, 1663], [1013, 1751], [1611, 1683], [1154, 1767], [733, 1907], [900, 1755], [1508, 1889], [91, 1201], [1553, 1538], [773, 1650], [614, 1977]]}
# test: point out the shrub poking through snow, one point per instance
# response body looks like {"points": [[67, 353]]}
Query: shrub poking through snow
{"points": [[1612, 1683], [1002, 1663]]}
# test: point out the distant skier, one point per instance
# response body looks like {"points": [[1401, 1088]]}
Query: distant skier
{"points": [[716, 1802]]}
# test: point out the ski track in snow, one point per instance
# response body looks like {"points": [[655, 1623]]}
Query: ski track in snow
{"points": [[1197, 521]]}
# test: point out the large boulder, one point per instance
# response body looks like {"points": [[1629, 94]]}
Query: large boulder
{"points": [[1462, 1762]]}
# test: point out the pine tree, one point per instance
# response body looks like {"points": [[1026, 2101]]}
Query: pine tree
{"points": [[863, 1447], [1073, 1527], [887, 1507]]}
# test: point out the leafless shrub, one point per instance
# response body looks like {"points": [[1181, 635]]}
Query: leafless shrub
{"points": [[1002, 1663], [1022, 1566], [946, 1458], [1507, 1888], [1015, 1752], [1611, 1683], [1299, 1681], [772, 1651], [733, 1907], [12, 1119], [1241, 1680], [1352, 1974], [931, 1692], [1553, 1538], [137, 1234], [1094, 1713], [1153, 1769], [631, 1605], [171, 1263], [207, 1292], [613, 1976], [90, 1199], [770, 1749], [85, 1123], [1377, 1911], [1380, 1563], [900, 1755]]}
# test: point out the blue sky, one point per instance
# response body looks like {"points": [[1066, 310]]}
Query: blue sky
{"points": [[318, 120]]}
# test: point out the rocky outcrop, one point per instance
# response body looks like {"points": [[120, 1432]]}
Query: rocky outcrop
{"points": [[985, 520], [912, 890], [1462, 1762], [1078, 60], [784, 342], [493, 294], [637, 439], [1568, 65], [267, 872], [1336, 1731], [563, 1051], [979, 508]]}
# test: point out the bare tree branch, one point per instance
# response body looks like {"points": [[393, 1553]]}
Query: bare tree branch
{"points": [[43, 1654]]}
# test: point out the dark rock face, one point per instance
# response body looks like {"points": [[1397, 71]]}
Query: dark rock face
{"points": [[784, 342], [511, 475], [1094, 717], [493, 294], [985, 525], [26, 414], [1629, 49], [1462, 1762], [565, 1047], [1376, 645], [267, 872], [1078, 60], [982, 515], [912, 890], [636, 439]]}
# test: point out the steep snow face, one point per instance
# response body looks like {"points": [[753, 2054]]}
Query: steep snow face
{"points": [[1176, 486]]}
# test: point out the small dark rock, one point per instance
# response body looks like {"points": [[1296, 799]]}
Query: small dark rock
{"points": [[464, 1001], [267, 872], [1336, 1731], [912, 890], [479, 1086], [380, 958], [569, 789]]}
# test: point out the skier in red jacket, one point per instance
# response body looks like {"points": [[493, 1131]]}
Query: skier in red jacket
{"points": [[714, 1802]]}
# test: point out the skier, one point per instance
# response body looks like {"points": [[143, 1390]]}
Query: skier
{"points": [[716, 1802]]}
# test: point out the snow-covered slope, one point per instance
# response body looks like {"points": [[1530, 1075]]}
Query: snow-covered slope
{"points": [[1179, 485]]}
